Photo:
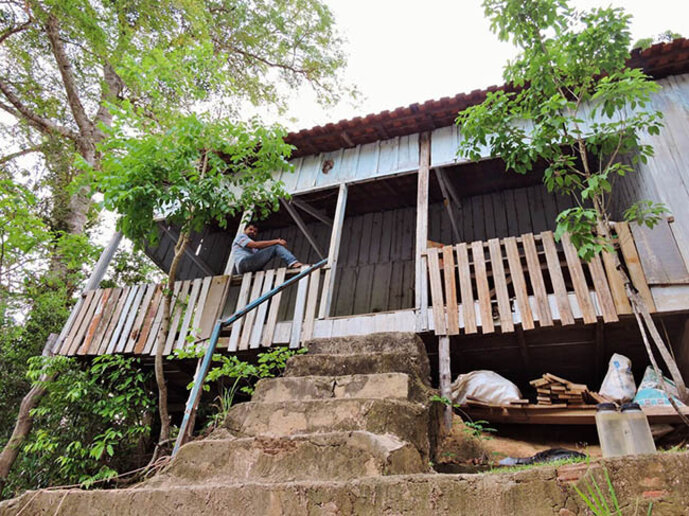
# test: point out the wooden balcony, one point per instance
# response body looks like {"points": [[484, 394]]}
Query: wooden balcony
{"points": [[532, 281]]}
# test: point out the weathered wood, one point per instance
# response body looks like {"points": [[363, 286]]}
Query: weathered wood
{"points": [[484, 301], [660, 258], [299, 305], [272, 319], [93, 305], [557, 279], [333, 254], [311, 303], [215, 302], [451, 291], [517, 275], [302, 226], [200, 306], [69, 343], [155, 327], [257, 330], [445, 373], [105, 322], [449, 204], [95, 321], [537, 284], [121, 316], [421, 283], [465, 289], [139, 322], [242, 301], [188, 252], [437, 303], [616, 283], [133, 312], [576, 272], [503, 297], [189, 312], [251, 316], [632, 261], [176, 311], [600, 284], [314, 212], [148, 320]]}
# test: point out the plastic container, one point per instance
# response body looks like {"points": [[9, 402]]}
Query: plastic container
{"points": [[610, 425], [637, 432]]}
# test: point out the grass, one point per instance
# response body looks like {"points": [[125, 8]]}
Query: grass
{"points": [[524, 467]]}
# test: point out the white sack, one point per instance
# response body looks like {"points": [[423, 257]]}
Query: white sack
{"points": [[485, 386], [618, 384]]}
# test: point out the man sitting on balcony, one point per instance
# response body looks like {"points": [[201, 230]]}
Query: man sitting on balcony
{"points": [[252, 255]]}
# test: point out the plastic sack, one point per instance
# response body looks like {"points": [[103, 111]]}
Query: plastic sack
{"points": [[485, 386], [651, 394], [618, 384]]}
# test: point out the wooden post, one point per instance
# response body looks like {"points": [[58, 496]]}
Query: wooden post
{"points": [[445, 373], [312, 211], [333, 253], [240, 229], [302, 227], [421, 283], [94, 280], [449, 202]]}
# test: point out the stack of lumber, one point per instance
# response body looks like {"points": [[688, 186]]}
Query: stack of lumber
{"points": [[555, 391]]}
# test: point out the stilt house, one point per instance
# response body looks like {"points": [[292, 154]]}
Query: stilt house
{"points": [[419, 240]]}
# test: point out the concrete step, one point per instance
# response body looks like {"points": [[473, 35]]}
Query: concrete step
{"points": [[398, 342], [327, 456], [536, 492], [410, 422], [360, 363], [373, 386]]}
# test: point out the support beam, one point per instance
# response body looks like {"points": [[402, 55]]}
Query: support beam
{"points": [[600, 349], [302, 227], [94, 280], [314, 212], [246, 216], [333, 253], [450, 206], [445, 373], [523, 349], [174, 235], [421, 281]]}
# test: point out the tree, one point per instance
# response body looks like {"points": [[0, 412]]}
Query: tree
{"points": [[65, 63], [571, 101], [194, 172], [663, 37]]}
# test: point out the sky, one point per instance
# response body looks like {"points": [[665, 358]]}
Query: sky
{"points": [[407, 51]]}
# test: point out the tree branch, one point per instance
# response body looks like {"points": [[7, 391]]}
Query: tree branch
{"points": [[23, 152], [65, 67], [14, 30], [20, 110]]}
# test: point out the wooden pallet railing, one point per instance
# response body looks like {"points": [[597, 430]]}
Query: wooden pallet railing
{"points": [[528, 280], [128, 320]]}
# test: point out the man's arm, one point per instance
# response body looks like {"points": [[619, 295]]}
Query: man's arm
{"points": [[260, 244]]}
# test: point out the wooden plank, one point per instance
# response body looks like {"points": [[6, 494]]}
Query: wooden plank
{"points": [[272, 319], [448, 203], [314, 212], [215, 302], [333, 254], [517, 275], [311, 303], [581, 289], [95, 321], [105, 321], [198, 311], [437, 302], [251, 316], [451, 291], [465, 289], [633, 264], [421, 282], [556, 278], [88, 317], [659, 255], [189, 312], [302, 227], [600, 284], [445, 376], [138, 323], [70, 343], [180, 305], [299, 305], [616, 283], [503, 297], [148, 320], [126, 298], [242, 301], [133, 312], [484, 301], [537, 282], [152, 341], [255, 339]]}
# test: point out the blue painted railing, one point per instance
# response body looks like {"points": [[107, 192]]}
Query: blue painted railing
{"points": [[195, 394]]}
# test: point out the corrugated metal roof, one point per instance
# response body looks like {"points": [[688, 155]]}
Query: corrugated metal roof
{"points": [[658, 61]]}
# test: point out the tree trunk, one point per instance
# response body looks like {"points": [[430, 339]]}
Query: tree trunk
{"points": [[180, 247]]}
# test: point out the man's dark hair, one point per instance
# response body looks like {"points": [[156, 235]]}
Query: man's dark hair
{"points": [[254, 224]]}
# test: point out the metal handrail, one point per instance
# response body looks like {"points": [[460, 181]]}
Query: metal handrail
{"points": [[219, 325]]}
